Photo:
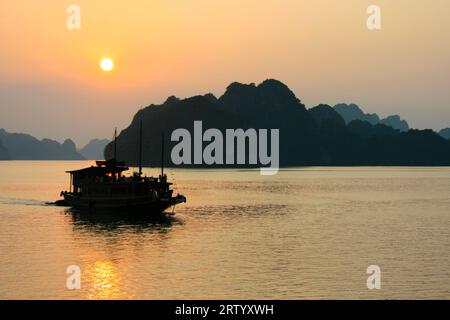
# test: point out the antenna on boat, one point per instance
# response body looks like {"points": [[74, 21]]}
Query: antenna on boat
{"points": [[115, 144], [140, 148], [162, 154]]}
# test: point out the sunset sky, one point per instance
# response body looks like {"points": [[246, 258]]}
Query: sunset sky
{"points": [[51, 84]]}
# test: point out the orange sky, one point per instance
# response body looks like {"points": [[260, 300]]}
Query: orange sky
{"points": [[321, 49]]}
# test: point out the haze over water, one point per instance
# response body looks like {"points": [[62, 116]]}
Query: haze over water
{"points": [[305, 233]]}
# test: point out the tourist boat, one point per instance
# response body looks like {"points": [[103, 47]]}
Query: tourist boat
{"points": [[104, 186]]}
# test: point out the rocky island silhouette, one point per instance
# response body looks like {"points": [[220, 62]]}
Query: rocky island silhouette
{"points": [[343, 135], [320, 136]]}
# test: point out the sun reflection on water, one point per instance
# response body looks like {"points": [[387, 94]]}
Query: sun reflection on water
{"points": [[106, 281]]}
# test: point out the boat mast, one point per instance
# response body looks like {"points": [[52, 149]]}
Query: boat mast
{"points": [[162, 154], [140, 148], [115, 144]]}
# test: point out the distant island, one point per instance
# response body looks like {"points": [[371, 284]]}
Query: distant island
{"points": [[350, 112], [20, 146], [342, 135], [445, 133], [93, 150], [4, 155]]}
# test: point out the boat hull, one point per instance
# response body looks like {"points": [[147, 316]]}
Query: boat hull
{"points": [[147, 204]]}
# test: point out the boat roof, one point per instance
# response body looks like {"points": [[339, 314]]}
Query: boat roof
{"points": [[103, 167], [109, 163]]}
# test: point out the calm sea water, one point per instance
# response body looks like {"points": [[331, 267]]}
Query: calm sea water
{"points": [[306, 233]]}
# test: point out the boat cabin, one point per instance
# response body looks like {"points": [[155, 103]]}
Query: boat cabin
{"points": [[108, 171], [107, 179]]}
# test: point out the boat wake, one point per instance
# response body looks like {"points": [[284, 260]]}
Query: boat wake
{"points": [[23, 202]]}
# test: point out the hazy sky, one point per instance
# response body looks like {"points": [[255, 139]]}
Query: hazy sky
{"points": [[51, 84]]}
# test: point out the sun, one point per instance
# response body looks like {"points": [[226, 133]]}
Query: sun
{"points": [[106, 64]]}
